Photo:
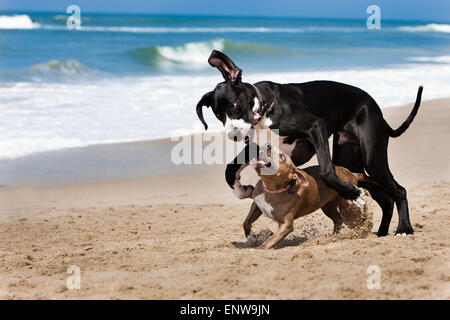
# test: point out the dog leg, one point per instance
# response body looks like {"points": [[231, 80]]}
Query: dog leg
{"points": [[252, 216], [350, 156], [386, 202], [330, 210], [318, 135], [234, 169], [284, 228], [378, 169]]}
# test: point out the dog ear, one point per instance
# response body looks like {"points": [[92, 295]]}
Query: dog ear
{"points": [[301, 178], [227, 67], [206, 100]]}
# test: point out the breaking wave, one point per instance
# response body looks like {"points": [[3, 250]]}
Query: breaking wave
{"points": [[61, 67], [18, 21], [431, 27], [194, 54], [439, 59]]}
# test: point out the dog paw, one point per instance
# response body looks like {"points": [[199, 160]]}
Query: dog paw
{"points": [[251, 238], [404, 229], [359, 202]]}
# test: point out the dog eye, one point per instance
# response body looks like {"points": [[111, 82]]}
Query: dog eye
{"points": [[234, 105], [282, 157]]}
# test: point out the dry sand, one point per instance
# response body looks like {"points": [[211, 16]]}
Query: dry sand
{"points": [[179, 236]]}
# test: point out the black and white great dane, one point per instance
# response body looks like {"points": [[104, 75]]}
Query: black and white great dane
{"points": [[306, 115]]}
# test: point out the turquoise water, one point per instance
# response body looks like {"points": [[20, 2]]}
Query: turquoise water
{"points": [[127, 77], [142, 44]]}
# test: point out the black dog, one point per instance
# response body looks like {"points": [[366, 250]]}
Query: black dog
{"points": [[307, 114]]}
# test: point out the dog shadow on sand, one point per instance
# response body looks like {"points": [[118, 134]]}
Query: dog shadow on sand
{"points": [[291, 241]]}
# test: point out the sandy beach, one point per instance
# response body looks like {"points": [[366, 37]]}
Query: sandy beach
{"points": [[139, 227]]}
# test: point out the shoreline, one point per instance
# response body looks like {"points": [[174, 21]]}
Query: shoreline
{"points": [[160, 140], [127, 160]]}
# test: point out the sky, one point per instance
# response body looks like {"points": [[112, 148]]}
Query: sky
{"points": [[426, 10]]}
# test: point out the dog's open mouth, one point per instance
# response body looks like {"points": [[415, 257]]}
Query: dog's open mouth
{"points": [[261, 163]]}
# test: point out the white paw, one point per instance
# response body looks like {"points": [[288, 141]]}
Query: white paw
{"points": [[251, 238], [359, 202], [402, 234]]}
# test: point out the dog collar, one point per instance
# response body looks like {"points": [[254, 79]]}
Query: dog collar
{"points": [[286, 188], [259, 113], [256, 115], [258, 94]]}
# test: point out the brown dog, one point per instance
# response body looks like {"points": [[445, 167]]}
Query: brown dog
{"points": [[291, 193]]}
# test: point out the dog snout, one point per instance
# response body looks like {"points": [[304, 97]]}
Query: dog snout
{"points": [[235, 134]]}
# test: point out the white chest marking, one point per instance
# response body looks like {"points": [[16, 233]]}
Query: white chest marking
{"points": [[264, 206], [240, 124], [255, 105], [267, 122]]}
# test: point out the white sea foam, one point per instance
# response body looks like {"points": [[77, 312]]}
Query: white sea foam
{"points": [[193, 52], [192, 55], [25, 22], [19, 21], [431, 27], [439, 59], [149, 29], [48, 116]]}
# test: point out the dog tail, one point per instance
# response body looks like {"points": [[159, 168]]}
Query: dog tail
{"points": [[397, 132]]}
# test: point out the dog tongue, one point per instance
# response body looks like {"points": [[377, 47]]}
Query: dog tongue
{"points": [[258, 163], [261, 164]]}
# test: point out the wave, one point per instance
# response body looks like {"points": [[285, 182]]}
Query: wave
{"points": [[194, 54], [18, 21], [219, 30], [431, 27], [439, 59], [60, 17], [131, 29], [188, 29], [63, 17], [61, 67], [23, 21]]}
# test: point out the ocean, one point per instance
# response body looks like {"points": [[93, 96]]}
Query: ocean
{"points": [[137, 77]]}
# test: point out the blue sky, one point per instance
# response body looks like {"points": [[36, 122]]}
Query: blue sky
{"points": [[427, 10]]}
